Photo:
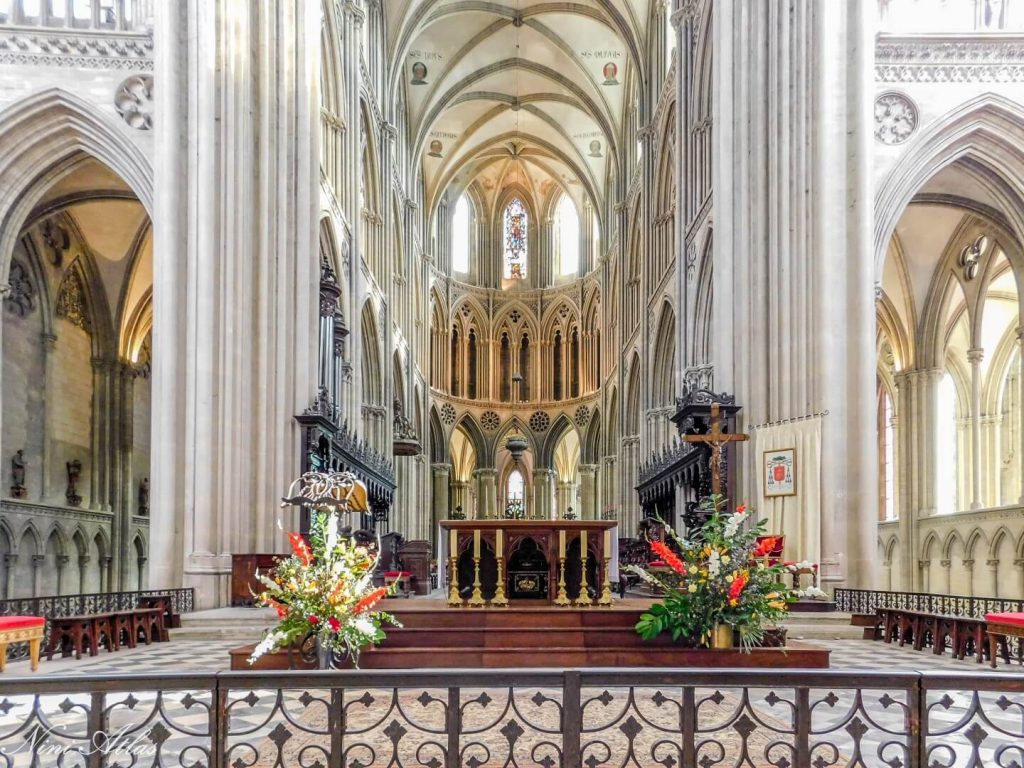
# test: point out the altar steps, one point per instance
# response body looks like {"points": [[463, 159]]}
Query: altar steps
{"points": [[245, 625], [434, 636]]}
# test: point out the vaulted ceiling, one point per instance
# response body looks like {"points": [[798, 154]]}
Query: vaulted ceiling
{"points": [[517, 92]]}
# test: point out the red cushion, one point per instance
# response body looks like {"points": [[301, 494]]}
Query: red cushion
{"points": [[1016, 619], [396, 574], [20, 622]]}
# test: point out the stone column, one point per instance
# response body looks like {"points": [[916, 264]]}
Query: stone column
{"points": [[83, 573], [38, 561], [793, 260], [62, 562], [974, 357], [564, 499], [543, 489], [11, 564], [588, 492], [237, 190], [993, 572], [487, 493], [441, 474], [51, 490]]}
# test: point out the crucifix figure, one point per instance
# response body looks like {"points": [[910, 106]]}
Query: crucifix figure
{"points": [[717, 439]]}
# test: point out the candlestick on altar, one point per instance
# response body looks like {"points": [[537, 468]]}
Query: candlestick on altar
{"points": [[476, 542], [499, 543], [561, 543], [608, 543], [583, 544], [453, 542]]}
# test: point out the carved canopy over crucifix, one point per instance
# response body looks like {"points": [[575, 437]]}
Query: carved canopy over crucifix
{"points": [[717, 440]]}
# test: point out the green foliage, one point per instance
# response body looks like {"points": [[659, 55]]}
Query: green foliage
{"points": [[720, 577]]}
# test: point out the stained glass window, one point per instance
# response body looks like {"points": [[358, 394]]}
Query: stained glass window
{"points": [[516, 234]]}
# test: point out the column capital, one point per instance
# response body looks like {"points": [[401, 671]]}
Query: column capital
{"points": [[441, 468], [484, 472], [975, 355]]}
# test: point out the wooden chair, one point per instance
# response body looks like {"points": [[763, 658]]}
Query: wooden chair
{"points": [[21, 629]]}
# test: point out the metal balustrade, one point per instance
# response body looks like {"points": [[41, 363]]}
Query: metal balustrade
{"points": [[869, 600], [447, 718], [56, 606]]}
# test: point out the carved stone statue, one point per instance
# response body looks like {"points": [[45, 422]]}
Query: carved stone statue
{"points": [[18, 464], [144, 496], [74, 472], [403, 428]]}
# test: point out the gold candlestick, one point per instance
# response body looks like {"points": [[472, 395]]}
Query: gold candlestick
{"points": [[583, 598], [453, 578], [605, 601], [562, 600], [499, 591], [476, 600]]}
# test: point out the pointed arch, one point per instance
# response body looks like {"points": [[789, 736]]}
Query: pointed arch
{"points": [[663, 363], [42, 135], [373, 383]]}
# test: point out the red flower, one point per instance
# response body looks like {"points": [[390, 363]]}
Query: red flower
{"points": [[766, 546], [668, 556], [370, 600], [741, 509], [334, 624], [282, 610], [737, 587], [314, 619], [300, 548]]}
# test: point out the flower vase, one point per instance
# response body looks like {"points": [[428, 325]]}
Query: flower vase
{"points": [[324, 656], [721, 637]]}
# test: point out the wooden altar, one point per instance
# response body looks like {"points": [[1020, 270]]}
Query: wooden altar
{"points": [[558, 562]]}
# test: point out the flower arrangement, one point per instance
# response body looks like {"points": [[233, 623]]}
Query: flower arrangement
{"points": [[720, 577], [324, 590]]}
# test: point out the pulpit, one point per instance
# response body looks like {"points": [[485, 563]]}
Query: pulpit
{"points": [[560, 562]]}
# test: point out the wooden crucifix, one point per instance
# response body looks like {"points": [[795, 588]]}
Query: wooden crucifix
{"points": [[717, 439]]}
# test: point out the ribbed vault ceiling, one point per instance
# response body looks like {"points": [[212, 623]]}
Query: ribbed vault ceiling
{"points": [[517, 92]]}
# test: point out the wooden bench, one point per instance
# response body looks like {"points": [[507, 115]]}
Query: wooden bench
{"points": [[21, 629], [74, 634], [965, 634], [402, 578], [1001, 627]]}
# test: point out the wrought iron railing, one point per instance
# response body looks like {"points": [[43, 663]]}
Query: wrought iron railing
{"points": [[55, 606], [868, 600], [573, 718]]}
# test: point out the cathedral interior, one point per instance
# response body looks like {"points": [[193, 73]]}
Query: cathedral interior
{"points": [[480, 253]]}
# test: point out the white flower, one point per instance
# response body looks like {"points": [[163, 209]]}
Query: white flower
{"points": [[714, 564], [732, 525], [692, 588], [269, 642], [364, 625]]}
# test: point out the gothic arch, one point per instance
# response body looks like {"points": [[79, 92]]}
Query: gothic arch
{"points": [[42, 135], [633, 386], [952, 538], [985, 130], [439, 453], [373, 384], [561, 427], [469, 426], [972, 541], [997, 539], [664, 359], [592, 444]]}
